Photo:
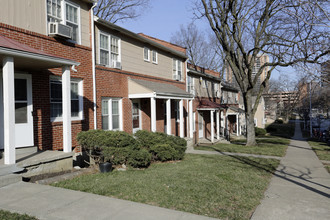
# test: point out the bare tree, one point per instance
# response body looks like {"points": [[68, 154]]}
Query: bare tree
{"points": [[283, 30], [120, 10], [203, 50]]}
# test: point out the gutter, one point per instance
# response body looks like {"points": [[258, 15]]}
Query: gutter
{"points": [[93, 66]]}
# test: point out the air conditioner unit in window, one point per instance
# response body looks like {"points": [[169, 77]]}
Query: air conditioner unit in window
{"points": [[116, 64], [177, 77], [56, 29]]}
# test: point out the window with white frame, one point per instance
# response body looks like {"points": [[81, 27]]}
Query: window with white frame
{"points": [[190, 85], [146, 54], [154, 57], [177, 69], [109, 50], [216, 87], [56, 99], [112, 114], [67, 13]]}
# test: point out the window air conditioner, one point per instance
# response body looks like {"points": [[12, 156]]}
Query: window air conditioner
{"points": [[59, 30], [177, 77], [116, 64]]}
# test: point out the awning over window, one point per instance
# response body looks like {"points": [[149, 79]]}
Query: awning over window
{"points": [[146, 89], [26, 57]]}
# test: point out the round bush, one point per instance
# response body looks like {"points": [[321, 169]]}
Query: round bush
{"points": [[139, 158], [260, 131], [163, 152]]}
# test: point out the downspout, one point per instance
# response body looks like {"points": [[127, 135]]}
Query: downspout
{"points": [[93, 66]]}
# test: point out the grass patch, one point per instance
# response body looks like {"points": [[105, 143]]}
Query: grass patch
{"points": [[216, 186], [5, 215], [321, 149], [266, 146]]}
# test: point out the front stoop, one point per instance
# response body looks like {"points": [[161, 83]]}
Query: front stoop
{"points": [[7, 175], [46, 162]]}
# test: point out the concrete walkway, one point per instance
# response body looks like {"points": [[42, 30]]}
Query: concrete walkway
{"points": [[300, 188], [47, 202]]}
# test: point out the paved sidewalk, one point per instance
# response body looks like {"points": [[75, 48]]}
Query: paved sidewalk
{"points": [[47, 202], [300, 188]]}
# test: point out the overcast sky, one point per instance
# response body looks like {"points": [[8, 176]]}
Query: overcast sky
{"points": [[164, 18]]}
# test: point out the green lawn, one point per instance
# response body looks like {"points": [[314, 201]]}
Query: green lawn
{"points": [[5, 215], [322, 150], [266, 146], [211, 185]]}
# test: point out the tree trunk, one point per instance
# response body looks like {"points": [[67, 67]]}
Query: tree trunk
{"points": [[249, 117]]}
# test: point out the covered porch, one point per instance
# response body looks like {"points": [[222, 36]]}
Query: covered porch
{"points": [[233, 125], [160, 107], [16, 118]]}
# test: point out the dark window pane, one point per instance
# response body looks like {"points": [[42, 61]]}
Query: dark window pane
{"points": [[20, 90], [56, 92], [115, 122], [74, 108], [105, 122], [56, 110], [20, 113]]}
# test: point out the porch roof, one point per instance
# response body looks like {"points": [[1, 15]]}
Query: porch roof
{"points": [[26, 57], [209, 105], [146, 89]]}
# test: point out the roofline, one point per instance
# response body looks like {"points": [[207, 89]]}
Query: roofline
{"points": [[25, 54], [138, 37], [203, 74]]}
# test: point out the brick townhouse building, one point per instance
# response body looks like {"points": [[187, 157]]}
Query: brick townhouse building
{"points": [[64, 71]]}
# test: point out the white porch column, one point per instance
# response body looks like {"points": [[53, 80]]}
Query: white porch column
{"points": [[9, 109], [168, 117], [153, 114], [191, 119], [181, 118], [237, 124], [66, 106], [218, 124], [212, 125]]}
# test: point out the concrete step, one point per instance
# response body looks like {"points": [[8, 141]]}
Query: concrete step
{"points": [[9, 169], [26, 150], [10, 179]]}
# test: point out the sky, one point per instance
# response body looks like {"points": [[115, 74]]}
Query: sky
{"points": [[164, 17]]}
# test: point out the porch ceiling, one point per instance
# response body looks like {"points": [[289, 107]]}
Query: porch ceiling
{"points": [[28, 58]]}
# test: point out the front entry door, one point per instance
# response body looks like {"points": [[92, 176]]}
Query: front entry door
{"points": [[23, 111], [136, 115], [200, 125]]}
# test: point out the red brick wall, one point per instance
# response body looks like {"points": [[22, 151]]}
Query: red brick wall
{"points": [[47, 134]]}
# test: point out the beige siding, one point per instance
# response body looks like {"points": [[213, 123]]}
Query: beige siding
{"points": [[132, 57], [260, 113], [26, 14], [134, 88], [32, 15], [204, 92]]}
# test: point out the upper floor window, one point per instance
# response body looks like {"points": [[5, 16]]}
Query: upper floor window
{"points": [[110, 50], [67, 13], [191, 85], [177, 69], [154, 57], [112, 114], [205, 84], [146, 54], [56, 99]]}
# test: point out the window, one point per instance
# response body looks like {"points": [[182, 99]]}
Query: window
{"points": [[177, 69], [65, 13], [154, 57], [56, 99], [112, 114], [191, 87], [146, 54], [205, 84], [109, 50], [216, 88]]}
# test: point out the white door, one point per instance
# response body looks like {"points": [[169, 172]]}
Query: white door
{"points": [[23, 111], [136, 115], [200, 125]]}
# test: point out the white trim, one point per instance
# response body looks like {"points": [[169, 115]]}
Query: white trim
{"points": [[153, 114], [109, 101], [110, 36], [168, 117], [218, 124], [141, 95], [72, 4], [66, 109], [212, 125], [181, 118], [93, 66], [140, 119], [40, 57], [9, 110], [152, 56], [191, 119]]}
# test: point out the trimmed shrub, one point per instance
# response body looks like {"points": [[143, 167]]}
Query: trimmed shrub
{"points": [[139, 158], [279, 121], [163, 152], [260, 131]]}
